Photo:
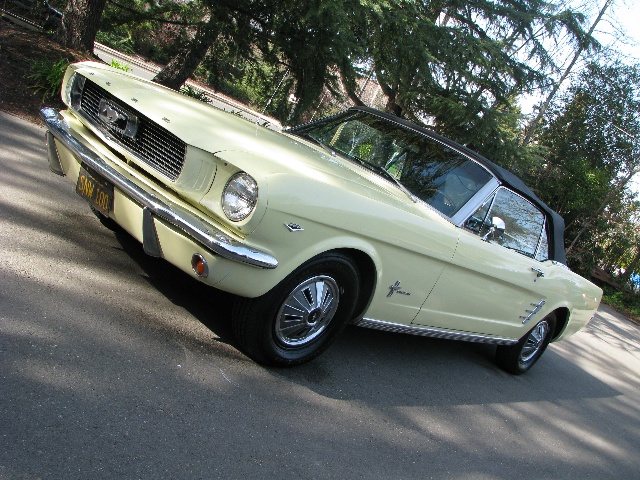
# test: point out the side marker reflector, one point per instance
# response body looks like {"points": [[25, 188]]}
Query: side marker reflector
{"points": [[199, 265]]}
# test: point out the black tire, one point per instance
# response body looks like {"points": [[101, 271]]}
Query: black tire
{"points": [[302, 315], [519, 358]]}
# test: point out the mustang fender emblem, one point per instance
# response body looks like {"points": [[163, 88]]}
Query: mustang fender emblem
{"points": [[395, 288]]}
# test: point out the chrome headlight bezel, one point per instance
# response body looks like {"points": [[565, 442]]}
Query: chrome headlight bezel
{"points": [[239, 197], [74, 90]]}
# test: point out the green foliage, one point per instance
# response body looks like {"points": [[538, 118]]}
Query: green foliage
{"points": [[461, 64], [251, 80], [120, 66], [458, 66], [192, 92], [138, 26], [47, 76], [627, 303], [592, 153], [319, 41], [119, 39], [364, 150]]}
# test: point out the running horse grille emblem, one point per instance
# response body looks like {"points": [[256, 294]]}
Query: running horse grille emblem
{"points": [[117, 119]]}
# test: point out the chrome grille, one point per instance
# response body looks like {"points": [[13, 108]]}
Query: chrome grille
{"points": [[152, 144]]}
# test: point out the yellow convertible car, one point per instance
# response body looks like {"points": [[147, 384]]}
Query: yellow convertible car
{"points": [[359, 218]]}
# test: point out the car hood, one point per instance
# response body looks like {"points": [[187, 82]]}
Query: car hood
{"points": [[260, 151]]}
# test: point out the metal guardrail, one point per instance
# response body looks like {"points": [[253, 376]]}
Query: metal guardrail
{"points": [[19, 20], [36, 15], [129, 59]]}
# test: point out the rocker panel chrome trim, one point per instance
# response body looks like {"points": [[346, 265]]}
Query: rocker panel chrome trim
{"points": [[197, 229], [432, 332]]}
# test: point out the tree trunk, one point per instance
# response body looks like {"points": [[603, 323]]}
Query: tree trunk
{"points": [[182, 66], [391, 106], [350, 85], [80, 23]]}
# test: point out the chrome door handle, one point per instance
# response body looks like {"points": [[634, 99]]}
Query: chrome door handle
{"points": [[539, 273]]}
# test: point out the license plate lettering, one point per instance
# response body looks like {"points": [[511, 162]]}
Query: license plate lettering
{"points": [[96, 190]]}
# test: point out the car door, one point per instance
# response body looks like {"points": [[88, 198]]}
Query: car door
{"points": [[494, 284]]}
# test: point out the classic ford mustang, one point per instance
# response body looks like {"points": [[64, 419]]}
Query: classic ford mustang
{"points": [[360, 218]]}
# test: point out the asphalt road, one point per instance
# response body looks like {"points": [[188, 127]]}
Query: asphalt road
{"points": [[115, 365]]}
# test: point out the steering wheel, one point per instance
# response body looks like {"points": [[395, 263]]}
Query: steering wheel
{"points": [[448, 206]]}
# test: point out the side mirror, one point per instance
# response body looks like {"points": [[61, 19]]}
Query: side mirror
{"points": [[497, 229], [498, 224]]}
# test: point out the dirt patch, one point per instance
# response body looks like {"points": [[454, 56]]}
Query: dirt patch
{"points": [[19, 48]]}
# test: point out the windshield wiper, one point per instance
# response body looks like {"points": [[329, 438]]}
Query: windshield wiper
{"points": [[389, 176], [364, 163]]}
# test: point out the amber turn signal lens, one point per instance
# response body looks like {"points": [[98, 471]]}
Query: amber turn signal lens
{"points": [[199, 265]]}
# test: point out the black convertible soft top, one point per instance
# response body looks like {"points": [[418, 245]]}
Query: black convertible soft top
{"points": [[555, 223]]}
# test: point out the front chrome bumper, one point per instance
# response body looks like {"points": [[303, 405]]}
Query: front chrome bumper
{"points": [[196, 228]]}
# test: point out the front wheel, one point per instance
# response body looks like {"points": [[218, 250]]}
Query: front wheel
{"points": [[301, 316], [519, 358]]}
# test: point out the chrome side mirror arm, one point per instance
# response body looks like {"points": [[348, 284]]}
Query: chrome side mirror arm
{"points": [[497, 229]]}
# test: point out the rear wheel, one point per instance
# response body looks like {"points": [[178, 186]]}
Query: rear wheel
{"points": [[519, 358], [300, 317]]}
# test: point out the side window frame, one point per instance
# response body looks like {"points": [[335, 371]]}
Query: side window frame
{"points": [[491, 199], [479, 199], [544, 233]]}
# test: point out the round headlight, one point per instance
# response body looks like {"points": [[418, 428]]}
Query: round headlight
{"points": [[239, 197]]}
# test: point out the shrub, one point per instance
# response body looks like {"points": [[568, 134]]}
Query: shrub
{"points": [[189, 91], [120, 66], [626, 302], [47, 76], [118, 39]]}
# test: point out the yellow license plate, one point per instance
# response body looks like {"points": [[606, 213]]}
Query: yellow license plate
{"points": [[96, 190]]}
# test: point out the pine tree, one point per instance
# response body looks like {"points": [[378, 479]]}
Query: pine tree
{"points": [[80, 23]]}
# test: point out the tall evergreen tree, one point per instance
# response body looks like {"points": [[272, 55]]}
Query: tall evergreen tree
{"points": [[457, 63], [314, 41], [592, 137], [80, 23], [238, 20]]}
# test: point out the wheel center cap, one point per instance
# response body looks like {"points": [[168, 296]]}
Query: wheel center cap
{"points": [[314, 316]]}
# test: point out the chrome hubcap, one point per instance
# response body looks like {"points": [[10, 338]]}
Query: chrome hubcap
{"points": [[534, 342], [307, 311]]}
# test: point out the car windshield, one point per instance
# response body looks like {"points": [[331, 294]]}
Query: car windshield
{"points": [[429, 170]]}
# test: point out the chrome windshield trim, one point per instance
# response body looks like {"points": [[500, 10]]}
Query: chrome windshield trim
{"points": [[432, 332], [475, 202], [199, 230]]}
